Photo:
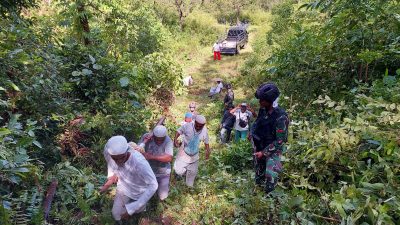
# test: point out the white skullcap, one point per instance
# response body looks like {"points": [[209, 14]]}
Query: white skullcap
{"points": [[160, 131], [117, 145], [201, 119]]}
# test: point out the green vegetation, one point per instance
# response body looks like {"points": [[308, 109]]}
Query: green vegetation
{"points": [[74, 73]]}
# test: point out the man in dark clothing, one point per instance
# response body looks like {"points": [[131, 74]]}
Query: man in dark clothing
{"points": [[229, 97], [227, 123], [269, 134]]}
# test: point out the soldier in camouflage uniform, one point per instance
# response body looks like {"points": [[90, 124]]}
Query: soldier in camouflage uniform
{"points": [[269, 134]]}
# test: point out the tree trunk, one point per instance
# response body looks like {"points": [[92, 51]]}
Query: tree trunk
{"points": [[84, 22], [179, 5], [360, 71], [237, 15]]}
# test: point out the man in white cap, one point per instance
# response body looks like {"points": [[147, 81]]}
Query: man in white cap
{"points": [[158, 150], [243, 113], [187, 159], [136, 182]]}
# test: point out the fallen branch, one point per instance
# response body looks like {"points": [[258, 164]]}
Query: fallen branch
{"points": [[326, 218], [51, 191]]}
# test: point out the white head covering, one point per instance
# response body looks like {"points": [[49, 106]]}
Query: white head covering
{"points": [[243, 104], [201, 119], [192, 104], [117, 145], [160, 131]]}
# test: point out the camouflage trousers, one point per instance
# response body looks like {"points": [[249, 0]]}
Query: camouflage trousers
{"points": [[267, 171]]}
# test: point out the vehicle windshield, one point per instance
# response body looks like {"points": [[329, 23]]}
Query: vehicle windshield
{"points": [[234, 34]]}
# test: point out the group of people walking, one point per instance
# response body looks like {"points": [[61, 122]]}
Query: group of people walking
{"points": [[268, 133], [140, 170]]}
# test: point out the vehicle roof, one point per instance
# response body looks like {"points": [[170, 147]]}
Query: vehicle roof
{"points": [[237, 28]]}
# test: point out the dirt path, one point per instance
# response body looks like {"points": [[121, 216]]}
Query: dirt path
{"points": [[203, 71]]}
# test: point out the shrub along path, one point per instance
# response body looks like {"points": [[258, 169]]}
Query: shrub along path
{"points": [[221, 194]]}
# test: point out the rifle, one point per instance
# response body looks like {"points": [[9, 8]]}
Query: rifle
{"points": [[256, 171]]}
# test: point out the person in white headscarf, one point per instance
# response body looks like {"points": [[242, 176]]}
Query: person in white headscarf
{"points": [[136, 182], [187, 159], [158, 150], [217, 89], [188, 81]]}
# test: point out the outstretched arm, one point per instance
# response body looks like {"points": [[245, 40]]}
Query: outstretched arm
{"points": [[234, 110], [166, 157]]}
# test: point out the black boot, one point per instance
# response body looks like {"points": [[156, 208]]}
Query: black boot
{"points": [[270, 186]]}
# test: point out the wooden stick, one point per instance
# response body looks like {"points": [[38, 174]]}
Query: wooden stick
{"points": [[51, 191], [326, 218]]}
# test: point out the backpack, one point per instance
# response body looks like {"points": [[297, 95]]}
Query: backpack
{"points": [[242, 123]]}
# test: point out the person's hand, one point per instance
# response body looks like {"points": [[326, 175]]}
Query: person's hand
{"points": [[249, 137], [176, 143], [114, 179], [139, 149], [125, 216], [103, 189], [208, 154], [147, 156], [259, 155], [220, 126], [110, 181], [147, 138]]}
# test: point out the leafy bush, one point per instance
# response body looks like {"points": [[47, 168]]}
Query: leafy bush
{"points": [[237, 157], [313, 50], [205, 26]]}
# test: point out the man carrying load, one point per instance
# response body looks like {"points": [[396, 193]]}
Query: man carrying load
{"points": [[136, 182], [187, 159], [158, 150]]}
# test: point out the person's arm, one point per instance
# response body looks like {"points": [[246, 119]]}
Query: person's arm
{"points": [[161, 158], [233, 111], [252, 112], [281, 137], [144, 140], [112, 178], [110, 181], [206, 141], [167, 157], [208, 151], [177, 134], [150, 179]]}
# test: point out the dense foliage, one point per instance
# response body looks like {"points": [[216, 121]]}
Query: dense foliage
{"points": [[68, 82], [329, 47], [338, 65], [74, 73]]}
